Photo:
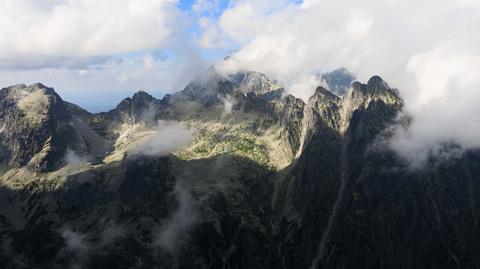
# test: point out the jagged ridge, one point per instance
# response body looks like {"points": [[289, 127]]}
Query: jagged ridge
{"points": [[266, 182]]}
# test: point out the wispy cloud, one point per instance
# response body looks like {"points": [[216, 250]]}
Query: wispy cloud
{"points": [[168, 137], [73, 158], [77, 247], [175, 228]]}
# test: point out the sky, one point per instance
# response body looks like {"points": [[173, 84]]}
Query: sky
{"points": [[95, 53], [429, 50]]}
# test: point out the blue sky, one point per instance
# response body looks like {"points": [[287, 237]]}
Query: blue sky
{"points": [[186, 5]]}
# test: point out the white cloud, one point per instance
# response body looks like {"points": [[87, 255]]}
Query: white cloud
{"points": [[148, 62], [76, 245], [308, 3], [211, 36], [428, 49], [99, 81], [205, 6], [444, 106], [123, 77], [291, 41], [304, 86], [37, 33], [183, 218], [88, 46], [82, 72], [169, 137], [74, 241], [74, 159]]}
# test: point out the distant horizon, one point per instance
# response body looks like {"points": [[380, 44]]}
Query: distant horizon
{"points": [[97, 101], [104, 101]]}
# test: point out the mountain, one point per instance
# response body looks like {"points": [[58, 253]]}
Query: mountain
{"points": [[230, 172], [338, 81], [38, 129]]}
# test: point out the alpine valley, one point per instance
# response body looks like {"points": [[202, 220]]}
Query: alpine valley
{"points": [[231, 172]]}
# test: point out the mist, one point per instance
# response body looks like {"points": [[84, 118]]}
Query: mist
{"points": [[169, 136], [112, 232], [74, 159], [77, 247], [182, 219], [228, 103]]}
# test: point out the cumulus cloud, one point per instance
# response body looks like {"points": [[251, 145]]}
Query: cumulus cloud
{"points": [[168, 137], [428, 49], [62, 32], [305, 84], [89, 46], [444, 108], [211, 36]]}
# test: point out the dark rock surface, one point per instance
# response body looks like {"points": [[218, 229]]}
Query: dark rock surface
{"points": [[339, 203]]}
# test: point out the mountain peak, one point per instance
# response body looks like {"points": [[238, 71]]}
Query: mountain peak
{"points": [[375, 85], [252, 81], [142, 96], [38, 85], [35, 100], [36, 124], [22, 90], [135, 108], [326, 94], [376, 82], [339, 80], [376, 88], [139, 98]]}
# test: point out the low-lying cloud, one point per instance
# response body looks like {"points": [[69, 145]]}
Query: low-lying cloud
{"points": [[112, 232], [182, 219], [444, 109], [75, 159], [77, 247], [169, 137]]}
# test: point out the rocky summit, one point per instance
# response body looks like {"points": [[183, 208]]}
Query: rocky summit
{"points": [[231, 172]]}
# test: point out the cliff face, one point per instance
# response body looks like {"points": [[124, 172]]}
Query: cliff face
{"points": [[38, 129], [256, 179], [315, 189]]}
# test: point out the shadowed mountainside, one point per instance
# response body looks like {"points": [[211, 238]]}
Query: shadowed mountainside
{"points": [[265, 181]]}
